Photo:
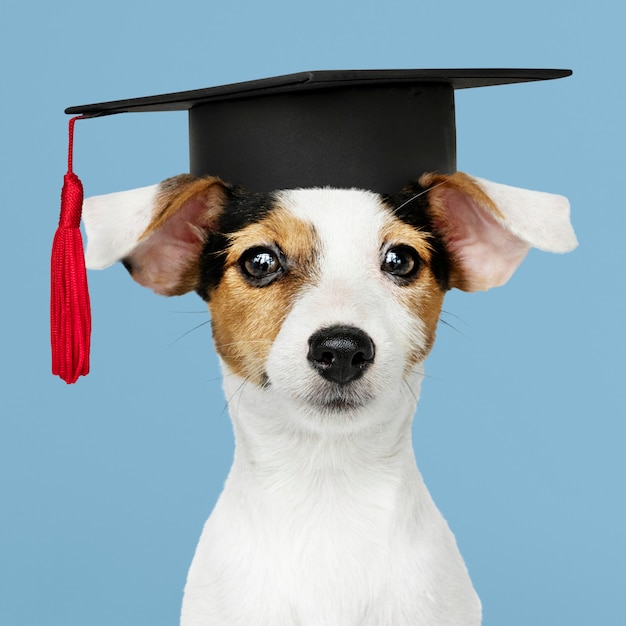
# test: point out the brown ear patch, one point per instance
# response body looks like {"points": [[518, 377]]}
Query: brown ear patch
{"points": [[177, 191], [166, 258], [438, 184], [460, 212]]}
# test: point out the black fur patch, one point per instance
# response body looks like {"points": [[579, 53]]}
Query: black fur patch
{"points": [[411, 206], [243, 208]]}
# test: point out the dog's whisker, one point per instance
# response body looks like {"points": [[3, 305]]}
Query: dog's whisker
{"points": [[215, 379], [241, 390], [231, 397], [414, 395], [446, 312], [217, 253], [191, 330], [251, 353], [244, 343], [445, 322], [418, 195], [237, 392], [449, 325]]}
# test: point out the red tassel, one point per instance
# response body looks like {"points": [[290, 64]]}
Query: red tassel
{"points": [[70, 311]]}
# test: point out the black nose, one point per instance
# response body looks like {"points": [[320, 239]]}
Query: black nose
{"points": [[340, 353]]}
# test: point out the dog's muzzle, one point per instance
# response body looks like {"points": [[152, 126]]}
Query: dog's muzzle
{"points": [[340, 354]]}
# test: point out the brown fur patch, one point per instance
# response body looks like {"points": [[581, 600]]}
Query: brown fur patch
{"points": [[423, 297], [397, 232], [246, 319]]}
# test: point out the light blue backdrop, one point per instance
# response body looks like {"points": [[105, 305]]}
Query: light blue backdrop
{"points": [[104, 485]]}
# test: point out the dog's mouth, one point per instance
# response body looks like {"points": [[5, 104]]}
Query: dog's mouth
{"points": [[340, 398]]}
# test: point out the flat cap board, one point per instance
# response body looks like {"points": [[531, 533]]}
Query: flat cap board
{"points": [[305, 81]]}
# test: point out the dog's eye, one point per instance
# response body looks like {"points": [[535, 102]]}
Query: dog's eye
{"points": [[401, 261], [260, 266]]}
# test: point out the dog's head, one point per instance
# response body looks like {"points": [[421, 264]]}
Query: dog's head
{"points": [[330, 298]]}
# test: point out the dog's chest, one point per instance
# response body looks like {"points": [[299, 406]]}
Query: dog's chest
{"points": [[306, 558], [332, 549]]}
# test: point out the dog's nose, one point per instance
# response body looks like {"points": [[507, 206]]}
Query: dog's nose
{"points": [[341, 353]]}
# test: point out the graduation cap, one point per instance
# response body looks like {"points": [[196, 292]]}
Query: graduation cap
{"points": [[370, 129]]}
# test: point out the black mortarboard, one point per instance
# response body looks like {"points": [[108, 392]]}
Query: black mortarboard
{"points": [[372, 129]]}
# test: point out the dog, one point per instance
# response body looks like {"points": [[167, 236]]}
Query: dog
{"points": [[324, 305]]}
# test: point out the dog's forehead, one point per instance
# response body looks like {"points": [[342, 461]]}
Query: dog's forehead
{"points": [[339, 214], [352, 224]]}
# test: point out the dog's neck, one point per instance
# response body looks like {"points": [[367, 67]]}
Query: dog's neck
{"points": [[279, 444]]}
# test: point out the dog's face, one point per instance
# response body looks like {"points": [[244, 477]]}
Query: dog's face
{"points": [[327, 298]]}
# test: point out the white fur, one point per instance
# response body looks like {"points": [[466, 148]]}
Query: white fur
{"points": [[538, 218], [112, 229], [324, 519]]}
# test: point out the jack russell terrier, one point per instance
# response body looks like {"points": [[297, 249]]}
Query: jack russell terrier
{"points": [[324, 304]]}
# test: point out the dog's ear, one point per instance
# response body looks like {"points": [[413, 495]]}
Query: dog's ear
{"points": [[157, 232], [488, 228]]}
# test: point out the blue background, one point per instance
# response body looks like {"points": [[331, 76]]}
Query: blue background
{"points": [[104, 485]]}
